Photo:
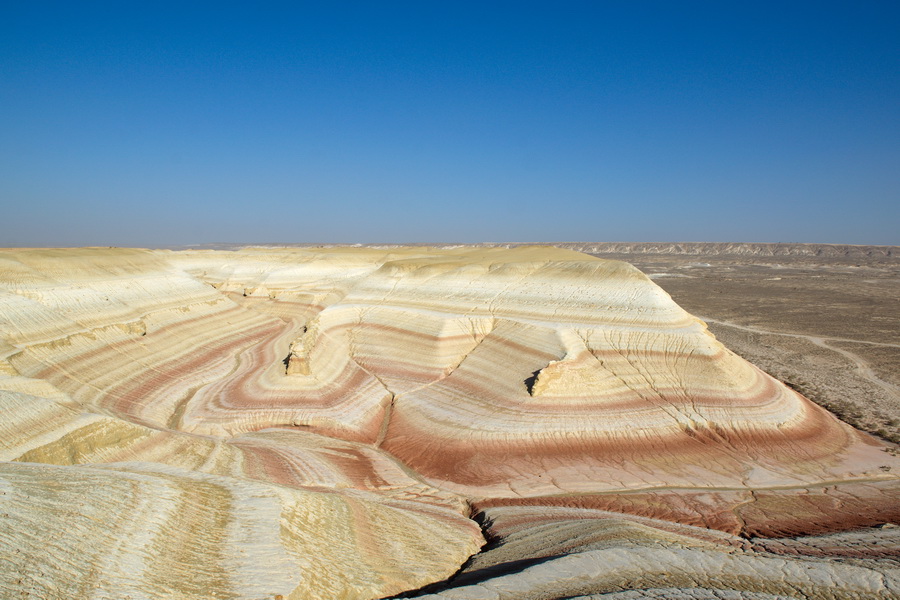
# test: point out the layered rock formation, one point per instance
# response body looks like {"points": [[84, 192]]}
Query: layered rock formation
{"points": [[583, 553], [321, 423]]}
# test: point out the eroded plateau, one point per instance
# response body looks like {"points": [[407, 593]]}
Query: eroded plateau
{"points": [[467, 422]]}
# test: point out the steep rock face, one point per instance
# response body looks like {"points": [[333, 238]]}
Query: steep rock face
{"points": [[372, 396]]}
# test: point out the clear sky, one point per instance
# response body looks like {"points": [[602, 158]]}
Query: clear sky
{"points": [[154, 123]]}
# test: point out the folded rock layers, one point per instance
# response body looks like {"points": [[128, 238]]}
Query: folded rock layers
{"points": [[407, 386]]}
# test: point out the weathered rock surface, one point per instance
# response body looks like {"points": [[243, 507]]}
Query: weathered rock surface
{"points": [[321, 422], [582, 553]]}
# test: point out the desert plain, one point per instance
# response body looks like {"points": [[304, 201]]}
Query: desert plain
{"points": [[579, 421]]}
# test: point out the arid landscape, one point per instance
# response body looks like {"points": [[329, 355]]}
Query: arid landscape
{"points": [[494, 422], [299, 301], [823, 319]]}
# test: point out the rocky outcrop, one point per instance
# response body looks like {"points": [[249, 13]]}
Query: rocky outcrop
{"points": [[584, 553], [348, 409]]}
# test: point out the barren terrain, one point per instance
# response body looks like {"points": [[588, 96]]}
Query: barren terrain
{"points": [[827, 323], [465, 422]]}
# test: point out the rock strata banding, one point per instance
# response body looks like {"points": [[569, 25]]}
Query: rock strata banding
{"points": [[324, 422]]}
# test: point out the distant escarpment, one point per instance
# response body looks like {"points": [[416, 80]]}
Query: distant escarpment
{"points": [[737, 249]]}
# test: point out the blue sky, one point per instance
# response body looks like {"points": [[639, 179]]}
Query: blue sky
{"points": [[152, 124]]}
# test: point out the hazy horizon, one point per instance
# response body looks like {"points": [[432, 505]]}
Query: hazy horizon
{"points": [[199, 124], [234, 246]]}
